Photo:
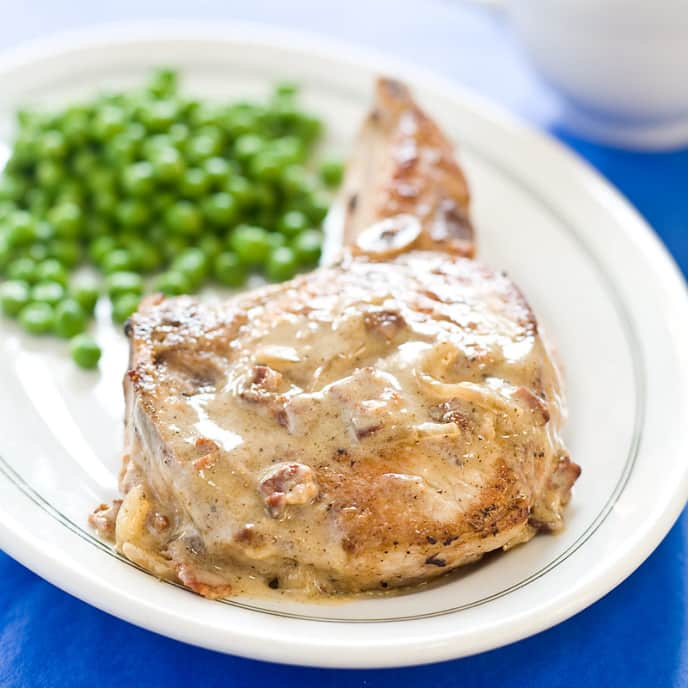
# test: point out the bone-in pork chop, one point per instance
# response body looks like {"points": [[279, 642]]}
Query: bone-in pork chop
{"points": [[372, 424]]}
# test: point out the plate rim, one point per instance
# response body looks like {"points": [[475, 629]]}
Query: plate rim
{"points": [[636, 229]]}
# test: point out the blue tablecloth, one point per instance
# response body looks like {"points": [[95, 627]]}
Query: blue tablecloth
{"points": [[635, 636]]}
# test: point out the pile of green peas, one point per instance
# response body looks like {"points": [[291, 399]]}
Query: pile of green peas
{"points": [[150, 182]]}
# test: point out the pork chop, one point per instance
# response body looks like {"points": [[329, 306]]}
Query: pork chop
{"points": [[375, 423]]}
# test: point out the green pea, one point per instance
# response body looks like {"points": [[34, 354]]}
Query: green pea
{"points": [[70, 318], [281, 264], [138, 179], [157, 235], [132, 212], [109, 99], [106, 203], [263, 197], [119, 283], [265, 217], [47, 292], [172, 283], [85, 292], [308, 247], [229, 270], [217, 170], [331, 171], [202, 147], [276, 240], [75, 126], [183, 218], [136, 132], [10, 188], [6, 209], [316, 207], [49, 174], [194, 183], [292, 222], [101, 181], [101, 247], [240, 122], [14, 295], [38, 252], [220, 209], [286, 88], [156, 143], [121, 150], [161, 202], [118, 260], [52, 144], [37, 318], [246, 147], [265, 167], [5, 253], [51, 270], [44, 231], [284, 115], [144, 255], [192, 263], [287, 150], [210, 245], [85, 163], [65, 251], [206, 115], [296, 181], [168, 164], [38, 201], [21, 228], [124, 305], [110, 120], [251, 244], [22, 269], [97, 226], [67, 220], [159, 115], [187, 106], [70, 192], [174, 245], [179, 134], [163, 83], [240, 190], [25, 148], [308, 128], [85, 351]]}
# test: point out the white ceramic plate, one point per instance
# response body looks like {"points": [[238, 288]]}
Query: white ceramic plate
{"points": [[608, 293]]}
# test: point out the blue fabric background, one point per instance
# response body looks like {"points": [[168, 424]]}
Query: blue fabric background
{"points": [[635, 636]]}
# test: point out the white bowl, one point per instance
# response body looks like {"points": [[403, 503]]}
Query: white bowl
{"points": [[620, 64]]}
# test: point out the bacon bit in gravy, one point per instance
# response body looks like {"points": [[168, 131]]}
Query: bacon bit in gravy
{"points": [[103, 518], [187, 575], [448, 412], [246, 533], [206, 462], [533, 403], [565, 475], [206, 444], [160, 522], [385, 324], [285, 484], [364, 432]]}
